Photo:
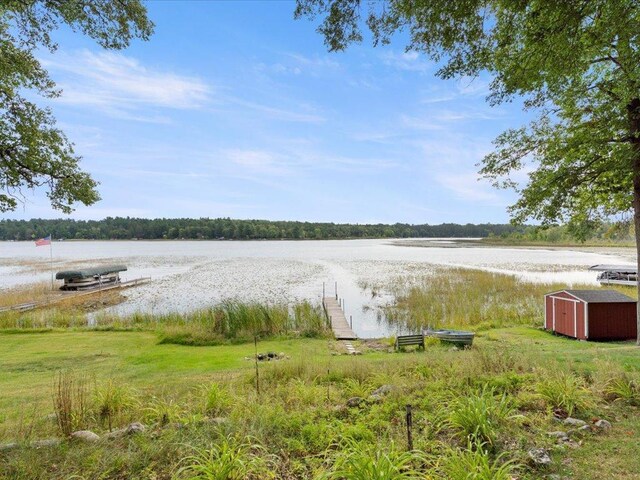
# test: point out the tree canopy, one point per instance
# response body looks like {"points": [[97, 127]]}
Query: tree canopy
{"points": [[33, 152]]}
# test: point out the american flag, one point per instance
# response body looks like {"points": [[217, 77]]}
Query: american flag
{"points": [[44, 241]]}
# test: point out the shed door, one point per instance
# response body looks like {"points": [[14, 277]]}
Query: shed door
{"points": [[565, 317]]}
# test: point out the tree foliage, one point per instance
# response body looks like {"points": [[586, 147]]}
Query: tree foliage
{"points": [[227, 228], [33, 152]]}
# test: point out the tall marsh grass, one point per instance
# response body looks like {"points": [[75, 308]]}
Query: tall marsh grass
{"points": [[459, 297]]}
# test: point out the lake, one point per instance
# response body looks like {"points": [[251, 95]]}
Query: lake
{"points": [[187, 275]]}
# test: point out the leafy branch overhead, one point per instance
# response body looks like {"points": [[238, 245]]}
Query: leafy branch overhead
{"points": [[33, 152], [575, 62]]}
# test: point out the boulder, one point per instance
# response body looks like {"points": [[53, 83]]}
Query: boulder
{"points": [[574, 422], [354, 401], [46, 443], [5, 447], [602, 425], [539, 456], [85, 436], [383, 390], [135, 427], [561, 436], [375, 398]]}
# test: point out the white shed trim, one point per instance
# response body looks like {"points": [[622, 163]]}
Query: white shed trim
{"points": [[586, 321], [553, 312], [575, 319]]}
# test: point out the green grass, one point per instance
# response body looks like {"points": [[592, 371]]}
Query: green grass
{"points": [[299, 427]]}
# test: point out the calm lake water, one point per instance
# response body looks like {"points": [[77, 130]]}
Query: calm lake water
{"points": [[187, 275]]}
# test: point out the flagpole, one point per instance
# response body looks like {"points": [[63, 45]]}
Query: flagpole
{"points": [[51, 258]]}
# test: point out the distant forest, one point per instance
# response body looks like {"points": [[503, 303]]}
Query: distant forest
{"points": [[228, 229]]}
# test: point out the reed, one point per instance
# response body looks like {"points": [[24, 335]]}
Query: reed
{"points": [[469, 298]]}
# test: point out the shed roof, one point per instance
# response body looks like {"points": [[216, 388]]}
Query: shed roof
{"points": [[600, 296]]}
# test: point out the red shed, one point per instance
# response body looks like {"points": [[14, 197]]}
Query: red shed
{"points": [[591, 314]]}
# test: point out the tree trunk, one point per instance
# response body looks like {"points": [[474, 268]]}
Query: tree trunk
{"points": [[634, 130]]}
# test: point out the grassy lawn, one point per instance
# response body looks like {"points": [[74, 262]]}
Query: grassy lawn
{"points": [[300, 414], [30, 361]]}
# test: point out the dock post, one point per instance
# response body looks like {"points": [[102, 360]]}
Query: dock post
{"points": [[336, 290], [409, 428], [351, 321]]}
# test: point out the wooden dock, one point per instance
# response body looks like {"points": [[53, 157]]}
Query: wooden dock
{"points": [[62, 296], [339, 323]]}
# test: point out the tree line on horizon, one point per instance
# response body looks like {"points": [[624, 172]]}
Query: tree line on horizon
{"points": [[119, 228]]}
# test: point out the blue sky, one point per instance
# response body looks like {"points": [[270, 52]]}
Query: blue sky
{"points": [[234, 109]]}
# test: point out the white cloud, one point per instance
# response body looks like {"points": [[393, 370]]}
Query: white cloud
{"points": [[120, 84], [467, 186], [410, 61]]}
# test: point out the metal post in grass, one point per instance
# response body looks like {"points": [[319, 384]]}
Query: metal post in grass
{"points": [[409, 428], [255, 343], [328, 386]]}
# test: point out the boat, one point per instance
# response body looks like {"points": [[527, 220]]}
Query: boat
{"points": [[457, 337], [616, 274], [91, 278]]}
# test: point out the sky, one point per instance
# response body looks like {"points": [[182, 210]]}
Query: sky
{"points": [[235, 109]]}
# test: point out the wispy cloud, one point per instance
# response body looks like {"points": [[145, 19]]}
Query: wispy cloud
{"points": [[121, 84], [410, 61], [468, 186]]}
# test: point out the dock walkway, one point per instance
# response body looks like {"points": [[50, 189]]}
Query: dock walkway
{"points": [[339, 323]]}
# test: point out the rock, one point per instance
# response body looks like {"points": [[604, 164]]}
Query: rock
{"points": [[375, 398], [135, 427], [5, 447], [354, 401], [579, 431], [52, 417], [602, 425], [383, 390], [46, 443], [85, 436], [561, 436], [574, 422], [539, 456]]}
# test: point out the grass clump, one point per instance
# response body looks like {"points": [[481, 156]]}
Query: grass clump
{"points": [[70, 402], [565, 391], [111, 401], [475, 463], [227, 460], [362, 461], [478, 416]]}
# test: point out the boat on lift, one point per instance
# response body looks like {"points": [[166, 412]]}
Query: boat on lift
{"points": [[91, 278], [616, 274]]}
